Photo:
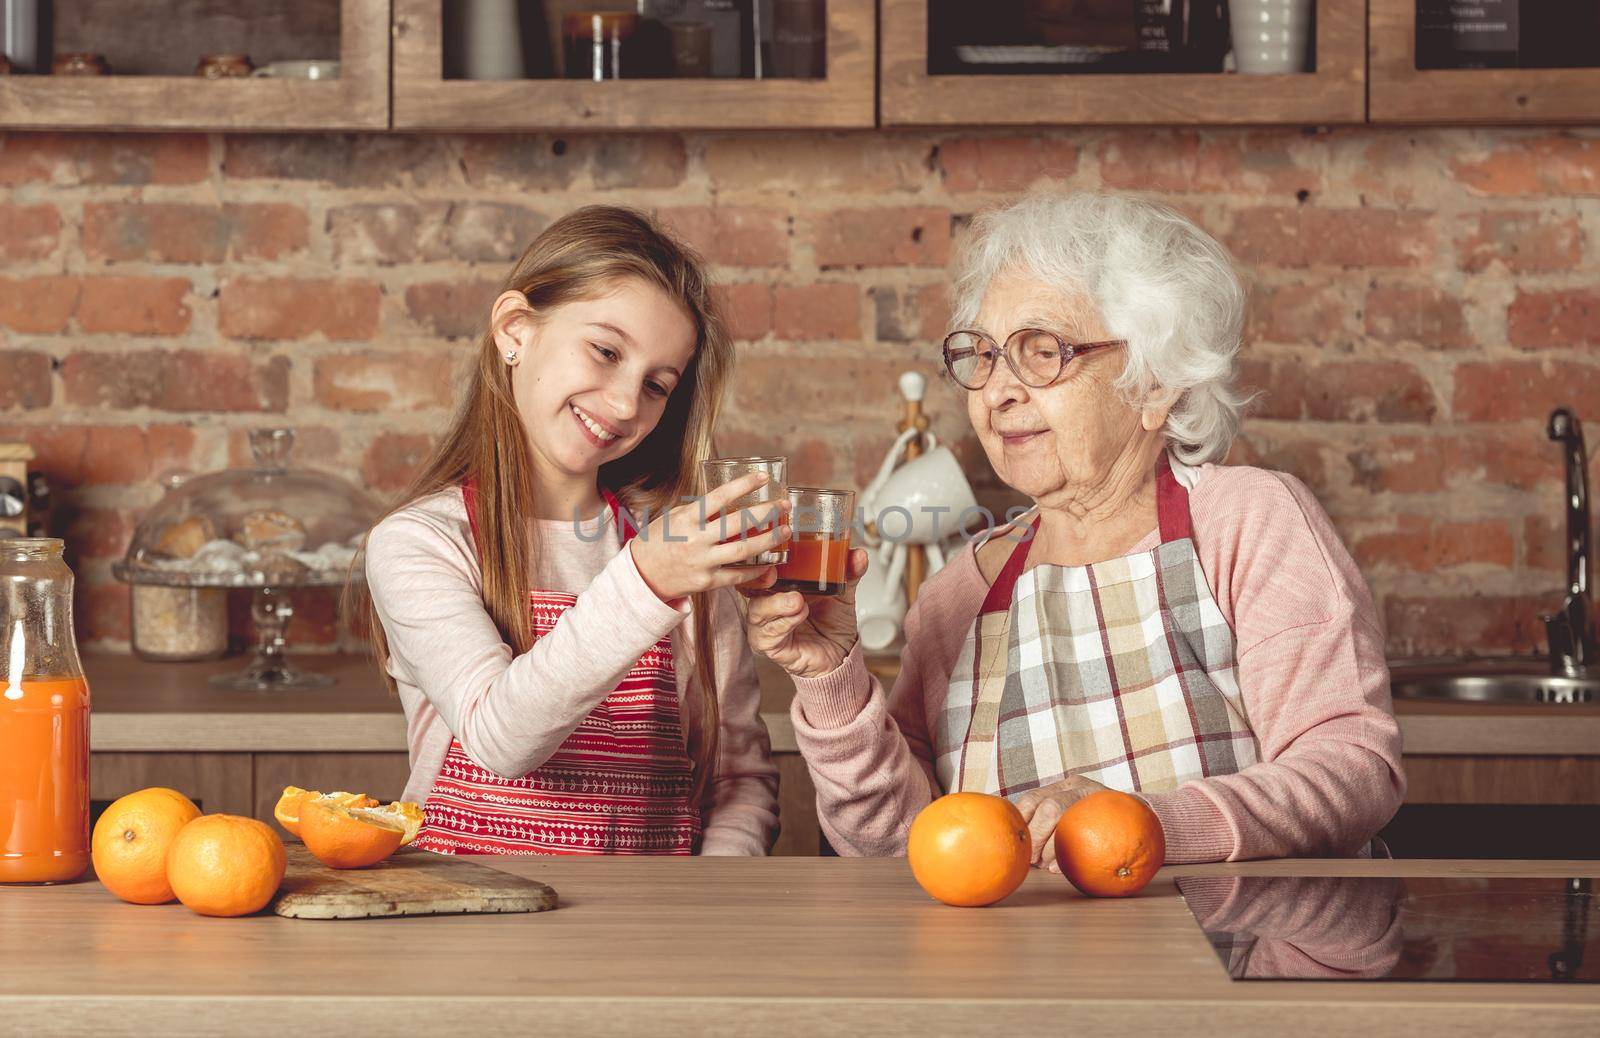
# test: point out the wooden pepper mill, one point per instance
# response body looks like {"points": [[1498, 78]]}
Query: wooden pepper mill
{"points": [[912, 387]]}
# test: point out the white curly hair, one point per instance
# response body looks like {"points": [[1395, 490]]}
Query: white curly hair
{"points": [[1156, 280]]}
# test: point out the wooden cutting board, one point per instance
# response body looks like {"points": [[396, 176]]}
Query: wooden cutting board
{"points": [[410, 882]]}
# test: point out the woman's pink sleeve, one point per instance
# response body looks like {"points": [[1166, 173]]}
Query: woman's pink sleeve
{"points": [[870, 755], [1314, 683]]}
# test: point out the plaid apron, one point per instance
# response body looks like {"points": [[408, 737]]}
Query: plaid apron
{"points": [[620, 784], [1122, 671]]}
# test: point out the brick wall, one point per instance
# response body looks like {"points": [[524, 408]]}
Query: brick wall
{"points": [[1421, 300]]}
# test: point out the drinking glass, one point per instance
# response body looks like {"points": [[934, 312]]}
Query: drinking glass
{"points": [[820, 548], [737, 520]]}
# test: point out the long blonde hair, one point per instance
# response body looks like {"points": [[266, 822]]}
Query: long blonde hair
{"points": [[578, 257]]}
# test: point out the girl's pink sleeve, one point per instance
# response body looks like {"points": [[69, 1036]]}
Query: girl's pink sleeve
{"points": [[742, 817], [870, 755], [1314, 683], [509, 712]]}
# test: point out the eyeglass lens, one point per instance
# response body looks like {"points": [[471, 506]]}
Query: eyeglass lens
{"points": [[1035, 355]]}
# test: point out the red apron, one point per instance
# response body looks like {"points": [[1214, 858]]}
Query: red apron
{"points": [[620, 784]]}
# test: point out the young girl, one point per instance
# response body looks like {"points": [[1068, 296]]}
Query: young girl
{"points": [[571, 684]]}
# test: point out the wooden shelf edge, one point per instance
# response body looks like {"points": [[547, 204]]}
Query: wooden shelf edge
{"points": [[202, 732], [1125, 99], [184, 103], [1484, 96], [1445, 736], [627, 105], [211, 732]]}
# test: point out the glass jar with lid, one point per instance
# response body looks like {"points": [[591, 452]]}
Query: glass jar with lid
{"points": [[178, 624], [272, 528]]}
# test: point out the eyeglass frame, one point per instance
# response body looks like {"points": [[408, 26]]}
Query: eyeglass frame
{"points": [[1068, 351]]}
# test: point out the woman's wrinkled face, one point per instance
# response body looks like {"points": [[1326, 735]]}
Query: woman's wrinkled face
{"points": [[592, 377], [1056, 441]]}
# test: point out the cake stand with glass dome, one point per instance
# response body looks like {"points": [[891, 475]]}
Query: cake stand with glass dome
{"points": [[270, 528]]}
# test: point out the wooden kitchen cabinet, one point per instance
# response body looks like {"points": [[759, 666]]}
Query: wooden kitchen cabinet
{"points": [[245, 783], [218, 782], [357, 100], [425, 100], [164, 724], [1403, 93], [250, 783], [1334, 93], [1439, 779], [392, 78], [799, 834]]}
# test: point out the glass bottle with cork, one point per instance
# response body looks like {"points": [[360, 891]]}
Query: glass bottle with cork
{"points": [[44, 719]]}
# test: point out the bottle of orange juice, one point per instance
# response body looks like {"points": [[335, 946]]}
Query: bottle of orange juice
{"points": [[44, 719]]}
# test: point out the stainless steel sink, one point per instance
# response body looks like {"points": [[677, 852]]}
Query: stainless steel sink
{"points": [[1495, 688], [1570, 631]]}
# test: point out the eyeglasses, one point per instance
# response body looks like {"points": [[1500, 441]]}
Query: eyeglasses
{"points": [[1035, 356]]}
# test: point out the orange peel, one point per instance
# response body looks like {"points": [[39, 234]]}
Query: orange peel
{"points": [[289, 805]]}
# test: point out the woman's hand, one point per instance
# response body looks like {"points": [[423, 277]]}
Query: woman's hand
{"points": [[807, 636], [681, 552], [1042, 808]]}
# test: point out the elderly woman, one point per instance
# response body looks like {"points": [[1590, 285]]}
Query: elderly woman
{"points": [[1160, 623]]}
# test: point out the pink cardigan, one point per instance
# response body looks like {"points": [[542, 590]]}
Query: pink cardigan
{"points": [[1310, 666]]}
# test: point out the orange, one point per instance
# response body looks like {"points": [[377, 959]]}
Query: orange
{"points": [[1110, 844], [350, 837], [969, 849], [287, 810], [226, 865], [131, 839]]}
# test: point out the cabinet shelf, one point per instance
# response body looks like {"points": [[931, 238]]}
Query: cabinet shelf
{"points": [[1335, 93], [357, 100], [1366, 72], [1403, 93], [425, 100]]}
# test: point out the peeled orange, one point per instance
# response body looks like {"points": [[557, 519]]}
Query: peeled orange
{"points": [[350, 837], [1110, 844], [131, 840], [969, 849], [226, 865], [287, 810]]}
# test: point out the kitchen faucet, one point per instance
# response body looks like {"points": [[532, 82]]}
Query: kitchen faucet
{"points": [[1572, 642]]}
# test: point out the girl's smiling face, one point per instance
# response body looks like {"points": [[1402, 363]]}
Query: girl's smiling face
{"points": [[592, 377]]}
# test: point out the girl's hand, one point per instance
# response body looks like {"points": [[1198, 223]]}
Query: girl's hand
{"points": [[808, 636], [1042, 808], [678, 554]]}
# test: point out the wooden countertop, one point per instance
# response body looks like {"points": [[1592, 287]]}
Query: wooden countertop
{"points": [[169, 707], [773, 946]]}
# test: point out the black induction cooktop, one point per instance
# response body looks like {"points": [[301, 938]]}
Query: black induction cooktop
{"points": [[1432, 929]]}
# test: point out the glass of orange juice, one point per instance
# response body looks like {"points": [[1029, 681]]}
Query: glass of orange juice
{"points": [[820, 548], [44, 719]]}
